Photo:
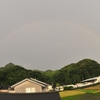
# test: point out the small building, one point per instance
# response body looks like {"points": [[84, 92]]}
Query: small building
{"points": [[30, 85], [90, 81]]}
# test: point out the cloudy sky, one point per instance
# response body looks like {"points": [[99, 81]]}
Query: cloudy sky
{"points": [[49, 34]]}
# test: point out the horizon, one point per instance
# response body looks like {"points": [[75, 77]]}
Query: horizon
{"points": [[49, 69]]}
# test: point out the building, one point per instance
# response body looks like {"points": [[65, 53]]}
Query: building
{"points": [[30, 85], [89, 82]]}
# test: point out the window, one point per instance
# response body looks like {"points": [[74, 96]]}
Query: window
{"points": [[30, 90]]}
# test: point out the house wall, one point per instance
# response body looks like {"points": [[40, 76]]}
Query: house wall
{"points": [[44, 89], [49, 88], [21, 88], [2, 91]]}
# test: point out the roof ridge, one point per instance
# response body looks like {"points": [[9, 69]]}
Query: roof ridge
{"points": [[38, 81]]}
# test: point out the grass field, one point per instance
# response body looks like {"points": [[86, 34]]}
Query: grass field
{"points": [[90, 93], [70, 93], [87, 96]]}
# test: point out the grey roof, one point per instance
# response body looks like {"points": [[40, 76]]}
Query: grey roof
{"points": [[35, 80], [30, 96], [32, 80], [89, 80]]}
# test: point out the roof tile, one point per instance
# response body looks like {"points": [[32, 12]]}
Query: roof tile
{"points": [[30, 96]]}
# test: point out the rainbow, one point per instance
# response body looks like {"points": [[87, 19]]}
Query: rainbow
{"points": [[25, 26]]}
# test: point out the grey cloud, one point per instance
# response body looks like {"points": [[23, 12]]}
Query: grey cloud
{"points": [[45, 34]]}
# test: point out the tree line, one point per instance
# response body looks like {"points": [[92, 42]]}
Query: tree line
{"points": [[70, 74]]}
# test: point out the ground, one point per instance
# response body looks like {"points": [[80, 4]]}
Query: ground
{"points": [[90, 93]]}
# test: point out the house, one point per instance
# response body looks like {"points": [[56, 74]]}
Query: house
{"points": [[88, 82], [91, 81], [30, 96], [29, 85]]}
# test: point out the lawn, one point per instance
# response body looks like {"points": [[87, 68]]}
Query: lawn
{"points": [[87, 96], [71, 93], [81, 94]]}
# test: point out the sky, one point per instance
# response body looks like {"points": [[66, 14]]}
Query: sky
{"points": [[49, 34]]}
